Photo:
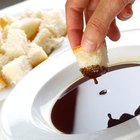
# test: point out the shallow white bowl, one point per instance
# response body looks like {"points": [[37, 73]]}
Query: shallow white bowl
{"points": [[26, 113]]}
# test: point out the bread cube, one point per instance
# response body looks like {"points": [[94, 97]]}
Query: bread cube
{"points": [[41, 40], [3, 60], [55, 23], [15, 70], [47, 41], [36, 54], [33, 13], [15, 44], [92, 64], [29, 25]]}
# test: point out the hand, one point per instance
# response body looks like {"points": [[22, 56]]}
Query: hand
{"points": [[100, 21]]}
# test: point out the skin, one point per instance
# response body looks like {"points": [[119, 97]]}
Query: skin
{"points": [[100, 17]]}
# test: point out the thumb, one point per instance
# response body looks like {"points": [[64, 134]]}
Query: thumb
{"points": [[99, 23]]}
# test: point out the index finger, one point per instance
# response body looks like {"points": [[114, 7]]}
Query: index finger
{"points": [[74, 20], [99, 23]]}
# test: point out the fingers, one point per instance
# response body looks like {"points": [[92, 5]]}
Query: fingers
{"points": [[100, 21], [126, 13], [113, 32], [90, 9], [74, 20]]}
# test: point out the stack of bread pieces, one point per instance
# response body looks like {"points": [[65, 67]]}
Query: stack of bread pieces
{"points": [[26, 41]]}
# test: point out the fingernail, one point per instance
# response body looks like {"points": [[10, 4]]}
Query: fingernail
{"points": [[128, 12], [89, 46], [127, 16]]}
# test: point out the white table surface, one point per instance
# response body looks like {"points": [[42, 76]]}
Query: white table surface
{"points": [[133, 23]]}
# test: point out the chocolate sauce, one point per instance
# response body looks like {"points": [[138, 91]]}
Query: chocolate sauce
{"points": [[63, 112], [124, 117], [137, 112], [94, 71], [103, 92]]}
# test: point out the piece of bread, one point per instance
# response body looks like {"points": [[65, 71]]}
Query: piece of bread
{"points": [[47, 41], [55, 23], [41, 40], [92, 64], [29, 25], [3, 60], [15, 44], [26, 40], [33, 13], [6, 20], [15, 70], [3, 83], [36, 54]]}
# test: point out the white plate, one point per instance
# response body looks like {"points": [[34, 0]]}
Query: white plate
{"points": [[20, 120], [21, 114], [5, 92]]}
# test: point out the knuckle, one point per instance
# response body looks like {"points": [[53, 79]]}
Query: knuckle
{"points": [[97, 25], [123, 2], [88, 13]]}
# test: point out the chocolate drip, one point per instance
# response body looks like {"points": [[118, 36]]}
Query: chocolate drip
{"points": [[103, 92], [95, 80]]}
